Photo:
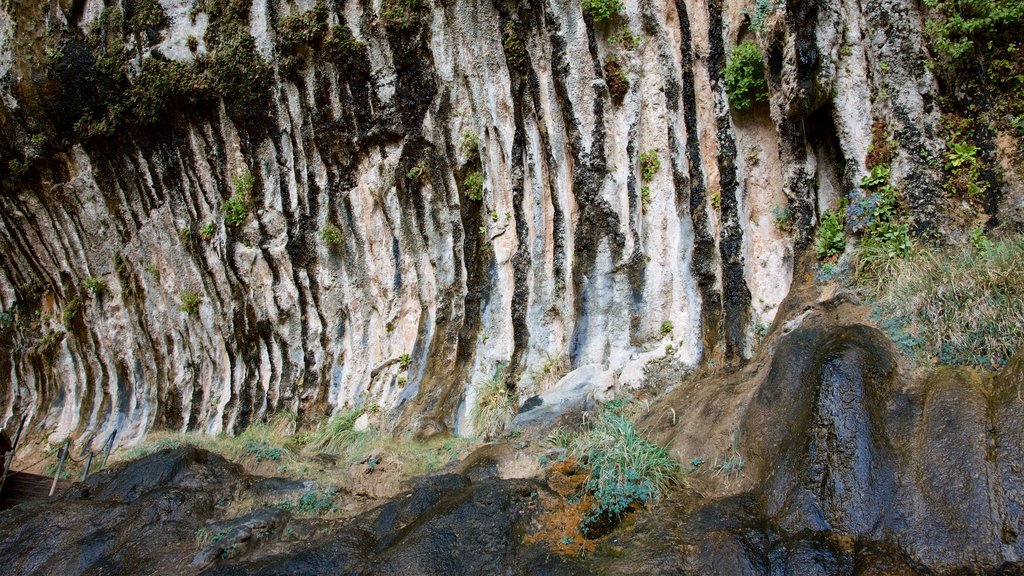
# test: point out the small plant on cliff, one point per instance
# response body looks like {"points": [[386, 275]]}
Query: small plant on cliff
{"points": [[602, 10], [331, 235], [95, 286], [744, 76], [474, 185], [666, 328], [762, 10], [419, 172], [236, 208], [831, 239], [515, 50], [964, 169], [616, 78], [650, 163], [400, 15], [645, 196], [495, 406], [404, 360], [17, 168], [206, 230], [190, 302], [469, 145], [783, 218]]}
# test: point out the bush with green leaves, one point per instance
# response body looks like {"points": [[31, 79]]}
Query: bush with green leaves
{"points": [[831, 239], [744, 76], [885, 237], [602, 10], [469, 144], [626, 470], [419, 172], [331, 235], [263, 451], [312, 503], [95, 286], [650, 163], [190, 302], [959, 27], [964, 169], [762, 10], [474, 186], [236, 208], [206, 230]]}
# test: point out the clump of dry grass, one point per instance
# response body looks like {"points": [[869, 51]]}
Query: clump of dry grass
{"points": [[962, 306], [496, 405]]}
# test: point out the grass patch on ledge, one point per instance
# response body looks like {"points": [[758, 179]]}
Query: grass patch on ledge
{"points": [[959, 305], [331, 454]]}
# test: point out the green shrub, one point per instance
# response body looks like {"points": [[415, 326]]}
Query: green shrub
{"points": [[236, 208], [207, 230], [831, 239], [404, 360], [96, 286], [515, 50], [783, 218], [650, 163], [331, 235], [17, 168], [962, 305], [959, 27], [400, 15], [744, 76], [666, 328], [263, 451], [311, 503], [964, 169], [474, 185], [190, 302], [626, 470], [419, 172], [645, 196], [602, 10], [469, 144], [495, 406], [70, 311]]}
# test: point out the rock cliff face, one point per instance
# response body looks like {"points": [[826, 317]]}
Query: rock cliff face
{"points": [[278, 207]]}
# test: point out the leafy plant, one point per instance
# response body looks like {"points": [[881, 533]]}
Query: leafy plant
{"points": [[95, 286], [404, 360], [744, 76], [206, 230], [964, 169], [312, 503], [17, 168], [474, 186], [650, 163], [762, 10], [331, 235], [263, 451], [400, 15], [236, 208], [626, 470], [190, 302], [783, 218], [645, 196], [419, 172], [602, 10], [515, 50], [831, 239], [666, 328], [469, 144]]}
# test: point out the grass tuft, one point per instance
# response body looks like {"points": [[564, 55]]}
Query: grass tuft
{"points": [[961, 306]]}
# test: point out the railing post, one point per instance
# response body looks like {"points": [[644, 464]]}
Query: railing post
{"points": [[109, 447], [88, 464], [9, 459], [60, 465]]}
